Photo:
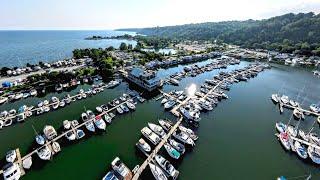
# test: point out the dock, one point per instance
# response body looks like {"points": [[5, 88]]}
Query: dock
{"points": [[156, 149], [48, 143], [305, 111]]}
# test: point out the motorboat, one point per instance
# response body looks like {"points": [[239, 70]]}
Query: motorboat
{"points": [[107, 118], [174, 81], [298, 114], [1, 124], [90, 114], [71, 135], [56, 147], [301, 150], [11, 156], [40, 139], [141, 99], [189, 131], [292, 131], [157, 172], [99, 109], [178, 146], [119, 110], [66, 124], [44, 153], [169, 104], [90, 126], [314, 138], [46, 108], [171, 151], [303, 135], [124, 108], [113, 84], [12, 112], [11, 171], [74, 123], [3, 100], [99, 123], [157, 129], [84, 117], [284, 99], [183, 137], [164, 100], [275, 98], [104, 107], [314, 108], [62, 103], [281, 127], [130, 105], [80, 134], [27, 162], [18, 96], [165, 124], [293, 103], [121, 169], [314, 154], [284, 139], [151, 136], [110, 176], [33, 92], [167, 166], [143, 145]]}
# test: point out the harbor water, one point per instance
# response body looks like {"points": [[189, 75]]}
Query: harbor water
{"points": [[236, 139]]}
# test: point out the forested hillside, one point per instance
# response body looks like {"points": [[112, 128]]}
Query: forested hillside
{"points": [[298, 33]]}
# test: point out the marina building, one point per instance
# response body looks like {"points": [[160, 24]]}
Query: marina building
{"points": [[144, 79]]}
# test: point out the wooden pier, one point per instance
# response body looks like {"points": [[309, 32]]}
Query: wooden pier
{"points": [[305, 111], [48, 143], [156, 150]]}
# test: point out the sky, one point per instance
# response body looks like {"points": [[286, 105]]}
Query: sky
{"points": [[113, 14]]}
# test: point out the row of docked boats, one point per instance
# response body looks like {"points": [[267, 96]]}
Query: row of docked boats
{"points": [[285, 100], [195, 70], [175, 146], [17, 96], [296, 140], [7, 118]]}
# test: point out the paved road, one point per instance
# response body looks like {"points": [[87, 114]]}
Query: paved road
{"points": [[23, 76]]}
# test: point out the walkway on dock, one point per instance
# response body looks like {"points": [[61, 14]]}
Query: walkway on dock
{"points": [[156, 149], [305, 111], [48, 143]]}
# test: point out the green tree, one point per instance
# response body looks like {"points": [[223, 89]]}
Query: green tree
{"points": [[123, 46]]}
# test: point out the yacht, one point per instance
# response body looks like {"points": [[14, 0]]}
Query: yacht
{"points": [[275, 98], [11, 156], [157, 129], [44, 153], [71, 135], [98, 121], [151, 136], [178, 146], [167, 166], [121, 169], [164, 100], [183, 137], [284, 139], [284, 99], [124, 108], [157, 172], [190, 114], [171, 151], [314, 154], [143, 145], [301, 150], [110, 176], [11, 171], [49, 132], [66, 124], [166, 125], [188, 131], [169, 104]]}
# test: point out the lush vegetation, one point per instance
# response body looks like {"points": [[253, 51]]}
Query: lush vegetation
{"points": [[298, 33]]}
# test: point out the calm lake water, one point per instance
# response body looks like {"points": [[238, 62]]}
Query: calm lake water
{"points": [[20, 47], [236, 139]]}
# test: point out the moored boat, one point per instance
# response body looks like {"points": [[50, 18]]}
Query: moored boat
{"points": [[151, 136], [99, 123], [171, 151], [11, 156], [143, 145], [44, 153], [157, 172], [183, 137], [284, 139], [314, 154], [301, 150], [157, 129], [121, 169], [178, 146], [167, 166]]}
